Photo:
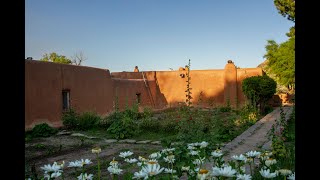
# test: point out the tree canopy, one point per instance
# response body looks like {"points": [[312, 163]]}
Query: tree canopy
{"points": [[54, 57], [286, 8], [280, 63]]}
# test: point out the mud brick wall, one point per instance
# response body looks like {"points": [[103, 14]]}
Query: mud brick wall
{"points": [[94, 89]]}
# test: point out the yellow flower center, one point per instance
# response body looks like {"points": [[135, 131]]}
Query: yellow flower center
{"points": [[152, 162], [203, 171]]}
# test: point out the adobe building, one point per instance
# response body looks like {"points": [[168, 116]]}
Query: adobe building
{"points": [[51, 88]]}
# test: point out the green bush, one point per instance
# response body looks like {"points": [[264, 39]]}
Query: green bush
{"points": [[125, 125], [43, 130], [123, 128], [88, 120], [149, 124], [109, 119], [168, 126], [258, 90], [69, 119]]}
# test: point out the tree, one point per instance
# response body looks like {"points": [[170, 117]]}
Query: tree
{"points": [[280, 63], [78, 58], [258, 90], [54, 57], [286, 8]]}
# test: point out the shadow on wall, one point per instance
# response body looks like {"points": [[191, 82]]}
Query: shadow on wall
{"points": [[203, 100]]}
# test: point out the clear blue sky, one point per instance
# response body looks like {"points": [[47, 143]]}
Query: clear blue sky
{"points": [[154, 34]]}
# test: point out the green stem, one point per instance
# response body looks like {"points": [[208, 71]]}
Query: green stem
{"points": [[98, 167]]}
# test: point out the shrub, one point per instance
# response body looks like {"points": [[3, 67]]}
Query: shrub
{"points": [[149, 124], [43, 130], [259, 89], [108, 120], [88, 120], [69, 119], [125, 126]]}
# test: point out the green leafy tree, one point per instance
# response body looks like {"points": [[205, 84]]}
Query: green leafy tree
{"points": [[286, 8], [280, 63], [258, 90], [54, 57]]}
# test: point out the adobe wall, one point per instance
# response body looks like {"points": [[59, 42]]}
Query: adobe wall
{"points": [[90, 90], [208, 83], [94, 89], [127, 91]]}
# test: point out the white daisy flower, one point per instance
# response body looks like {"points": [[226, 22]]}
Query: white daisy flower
{"points": [[203, 174], [75, 164], [96, 150], [139, 163], [216, 153], [198, 161], [152, 169], [51, 168], [285, 172], [203, 144], [140, 175], [266, 173], [56, 174], [152, 161], [270, 162], [185, 168], [244, 177], [85, 176], [85, 162], [194, 153], [142, 159], [253, 154], [134, 160], [125, 154], [241, 157], [292, 176], [169, 171], [226, 171], [155, 155], [114, 170], [169, 159], [113, 163], [167, 150]]}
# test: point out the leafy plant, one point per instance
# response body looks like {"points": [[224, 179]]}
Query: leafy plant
{"points": [[69, 119], [188, 90], [126, 126], [43, 130], [88, 120], [259, 89]]}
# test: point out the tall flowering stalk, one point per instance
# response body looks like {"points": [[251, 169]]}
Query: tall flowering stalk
{"points": [[97, 151]]}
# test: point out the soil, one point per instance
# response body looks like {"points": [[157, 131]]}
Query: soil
{"points": [[58, 148]]}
